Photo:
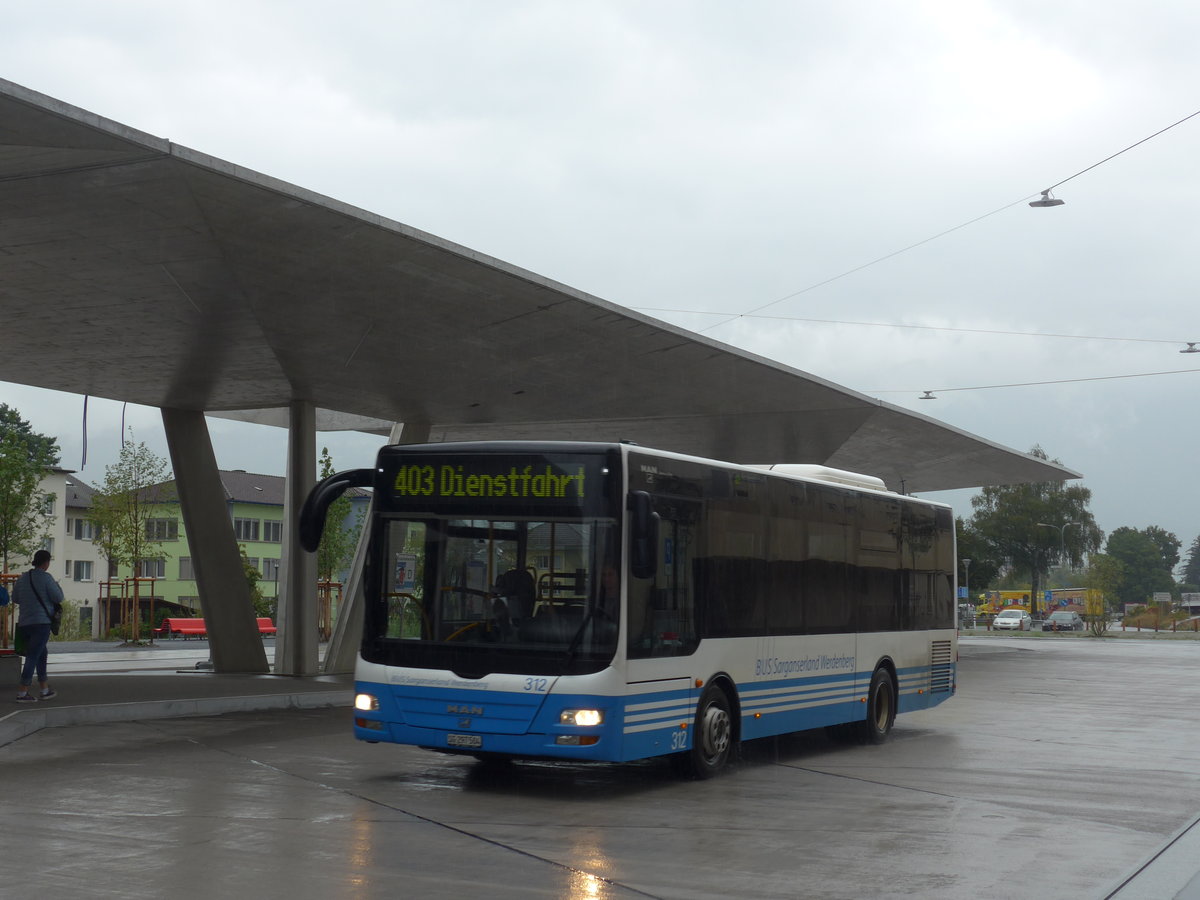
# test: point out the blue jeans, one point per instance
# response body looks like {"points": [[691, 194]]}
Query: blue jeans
{"points": [[36, 639]]}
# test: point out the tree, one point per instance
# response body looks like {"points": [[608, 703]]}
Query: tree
{"points": [[25, 459], [1168, 545], [338, 543], [40, 446], [1147, 560], [984, 566], [1011, 520], [1102, 578], [1191, 566], [263, 606], [133, 488]]}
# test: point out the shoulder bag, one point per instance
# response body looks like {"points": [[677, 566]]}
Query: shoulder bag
{"points": [[56, 616]]}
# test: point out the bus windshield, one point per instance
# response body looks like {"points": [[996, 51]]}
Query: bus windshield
{"points": [[480, 595]]}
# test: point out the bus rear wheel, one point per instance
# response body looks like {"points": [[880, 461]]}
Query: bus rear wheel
{"points": [[881, 709], [712, 737]]}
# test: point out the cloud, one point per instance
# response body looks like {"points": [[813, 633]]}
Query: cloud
{"points": [[707, 156]]}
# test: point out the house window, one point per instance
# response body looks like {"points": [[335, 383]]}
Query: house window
{"points": [[162, 529], [186, 572], [270, 569], [85, 530], [273, 531], [152, 568], [245, 529], [68, 572], [48, 504], [253, 560], [70, 525], [48, 546], [83, 570]]}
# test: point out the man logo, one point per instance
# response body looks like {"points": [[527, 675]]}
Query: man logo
{"points": [[462, 709]]}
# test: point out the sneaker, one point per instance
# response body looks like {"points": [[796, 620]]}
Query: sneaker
{"points": [[26, 698], [48, 694]]}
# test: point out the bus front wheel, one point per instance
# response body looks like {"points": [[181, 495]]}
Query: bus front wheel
{"points": [[712, 737]]}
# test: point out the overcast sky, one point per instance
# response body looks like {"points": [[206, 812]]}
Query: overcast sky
{"points": [[701, 161]]}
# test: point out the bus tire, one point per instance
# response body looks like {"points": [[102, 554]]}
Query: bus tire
{"points": [[881, 709], [712, 737]]}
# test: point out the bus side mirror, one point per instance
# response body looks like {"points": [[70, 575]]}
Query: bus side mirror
{"points": [[643, 536], [312, 514]]}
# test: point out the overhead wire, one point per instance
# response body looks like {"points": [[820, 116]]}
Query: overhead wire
{"points": [[1045, 334], [927, 240], [987, 387]]}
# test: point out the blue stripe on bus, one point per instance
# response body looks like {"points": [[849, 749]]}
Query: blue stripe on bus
{"points": [[636, 726]]}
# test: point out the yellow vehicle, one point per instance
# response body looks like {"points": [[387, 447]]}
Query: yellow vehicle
{"points": [[994, 601]]}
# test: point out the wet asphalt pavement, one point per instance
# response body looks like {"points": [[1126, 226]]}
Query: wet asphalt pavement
{"points": [[1062, 767]]}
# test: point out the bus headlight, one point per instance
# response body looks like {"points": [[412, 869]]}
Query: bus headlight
{"points": [[366, 702], [588, 717]]}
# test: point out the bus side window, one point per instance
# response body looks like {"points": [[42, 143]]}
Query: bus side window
{"points": [[662, 615]]}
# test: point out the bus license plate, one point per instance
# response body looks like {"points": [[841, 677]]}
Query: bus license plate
{"points": [[464, 740]]}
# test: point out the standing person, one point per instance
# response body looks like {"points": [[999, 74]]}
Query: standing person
{"points": [[39, 596]]}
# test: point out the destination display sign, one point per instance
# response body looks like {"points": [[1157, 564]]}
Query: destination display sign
{"points": [[484, 479]]}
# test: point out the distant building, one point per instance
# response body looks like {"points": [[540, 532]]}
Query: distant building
{"points": [[76, 563], [96, 588], [167, 577]]}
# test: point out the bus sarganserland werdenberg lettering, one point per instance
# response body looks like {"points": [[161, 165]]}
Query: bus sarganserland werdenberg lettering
{"points": [[587, 601]]}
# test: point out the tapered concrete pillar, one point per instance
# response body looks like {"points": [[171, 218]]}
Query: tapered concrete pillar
{"points": [[224, 593], [297, 639], [342, 651]]}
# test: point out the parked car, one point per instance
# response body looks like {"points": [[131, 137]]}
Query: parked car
{"points": [[1012, 620], [1063, 620]]}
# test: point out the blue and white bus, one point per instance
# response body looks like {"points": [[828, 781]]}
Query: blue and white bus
{"points": [[589, 601]]}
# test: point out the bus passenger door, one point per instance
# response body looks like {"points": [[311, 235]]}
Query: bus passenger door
{"points": [[661, 636]]}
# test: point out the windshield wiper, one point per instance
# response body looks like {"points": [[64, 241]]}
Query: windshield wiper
{"points": [[574, 645]]}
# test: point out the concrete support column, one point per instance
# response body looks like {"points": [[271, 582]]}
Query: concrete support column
{"points": [[296, 641], [347, 631], [228, 613]]}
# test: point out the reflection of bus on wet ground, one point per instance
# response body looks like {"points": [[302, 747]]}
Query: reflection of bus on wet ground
{"points": [[609, 602]]}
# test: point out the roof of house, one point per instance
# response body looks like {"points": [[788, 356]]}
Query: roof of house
{"points": [[78, 494], [239, 486], [248, 487]]}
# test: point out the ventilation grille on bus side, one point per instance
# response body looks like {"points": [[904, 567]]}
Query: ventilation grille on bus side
{"points": [[941, 670]]}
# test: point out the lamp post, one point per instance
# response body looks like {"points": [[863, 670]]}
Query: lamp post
{"points": [[1062, 542], [967, 591], [1062, 539]]}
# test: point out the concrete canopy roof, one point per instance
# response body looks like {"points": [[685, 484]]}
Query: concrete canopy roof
{"points": [[135, 269]]}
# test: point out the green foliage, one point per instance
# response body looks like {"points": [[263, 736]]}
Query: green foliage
{"points": [[1011, 522], [263, 606], [1191, 566], [25, 459], [41, 448], [71, 629], [985, 565], [133, 488], [1102, 578], [338, 543], [1168, 545], [1147, 557], [132, 491]]}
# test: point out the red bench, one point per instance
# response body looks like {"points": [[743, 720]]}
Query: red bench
{"points": [[173, 628], [186, 627]]}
